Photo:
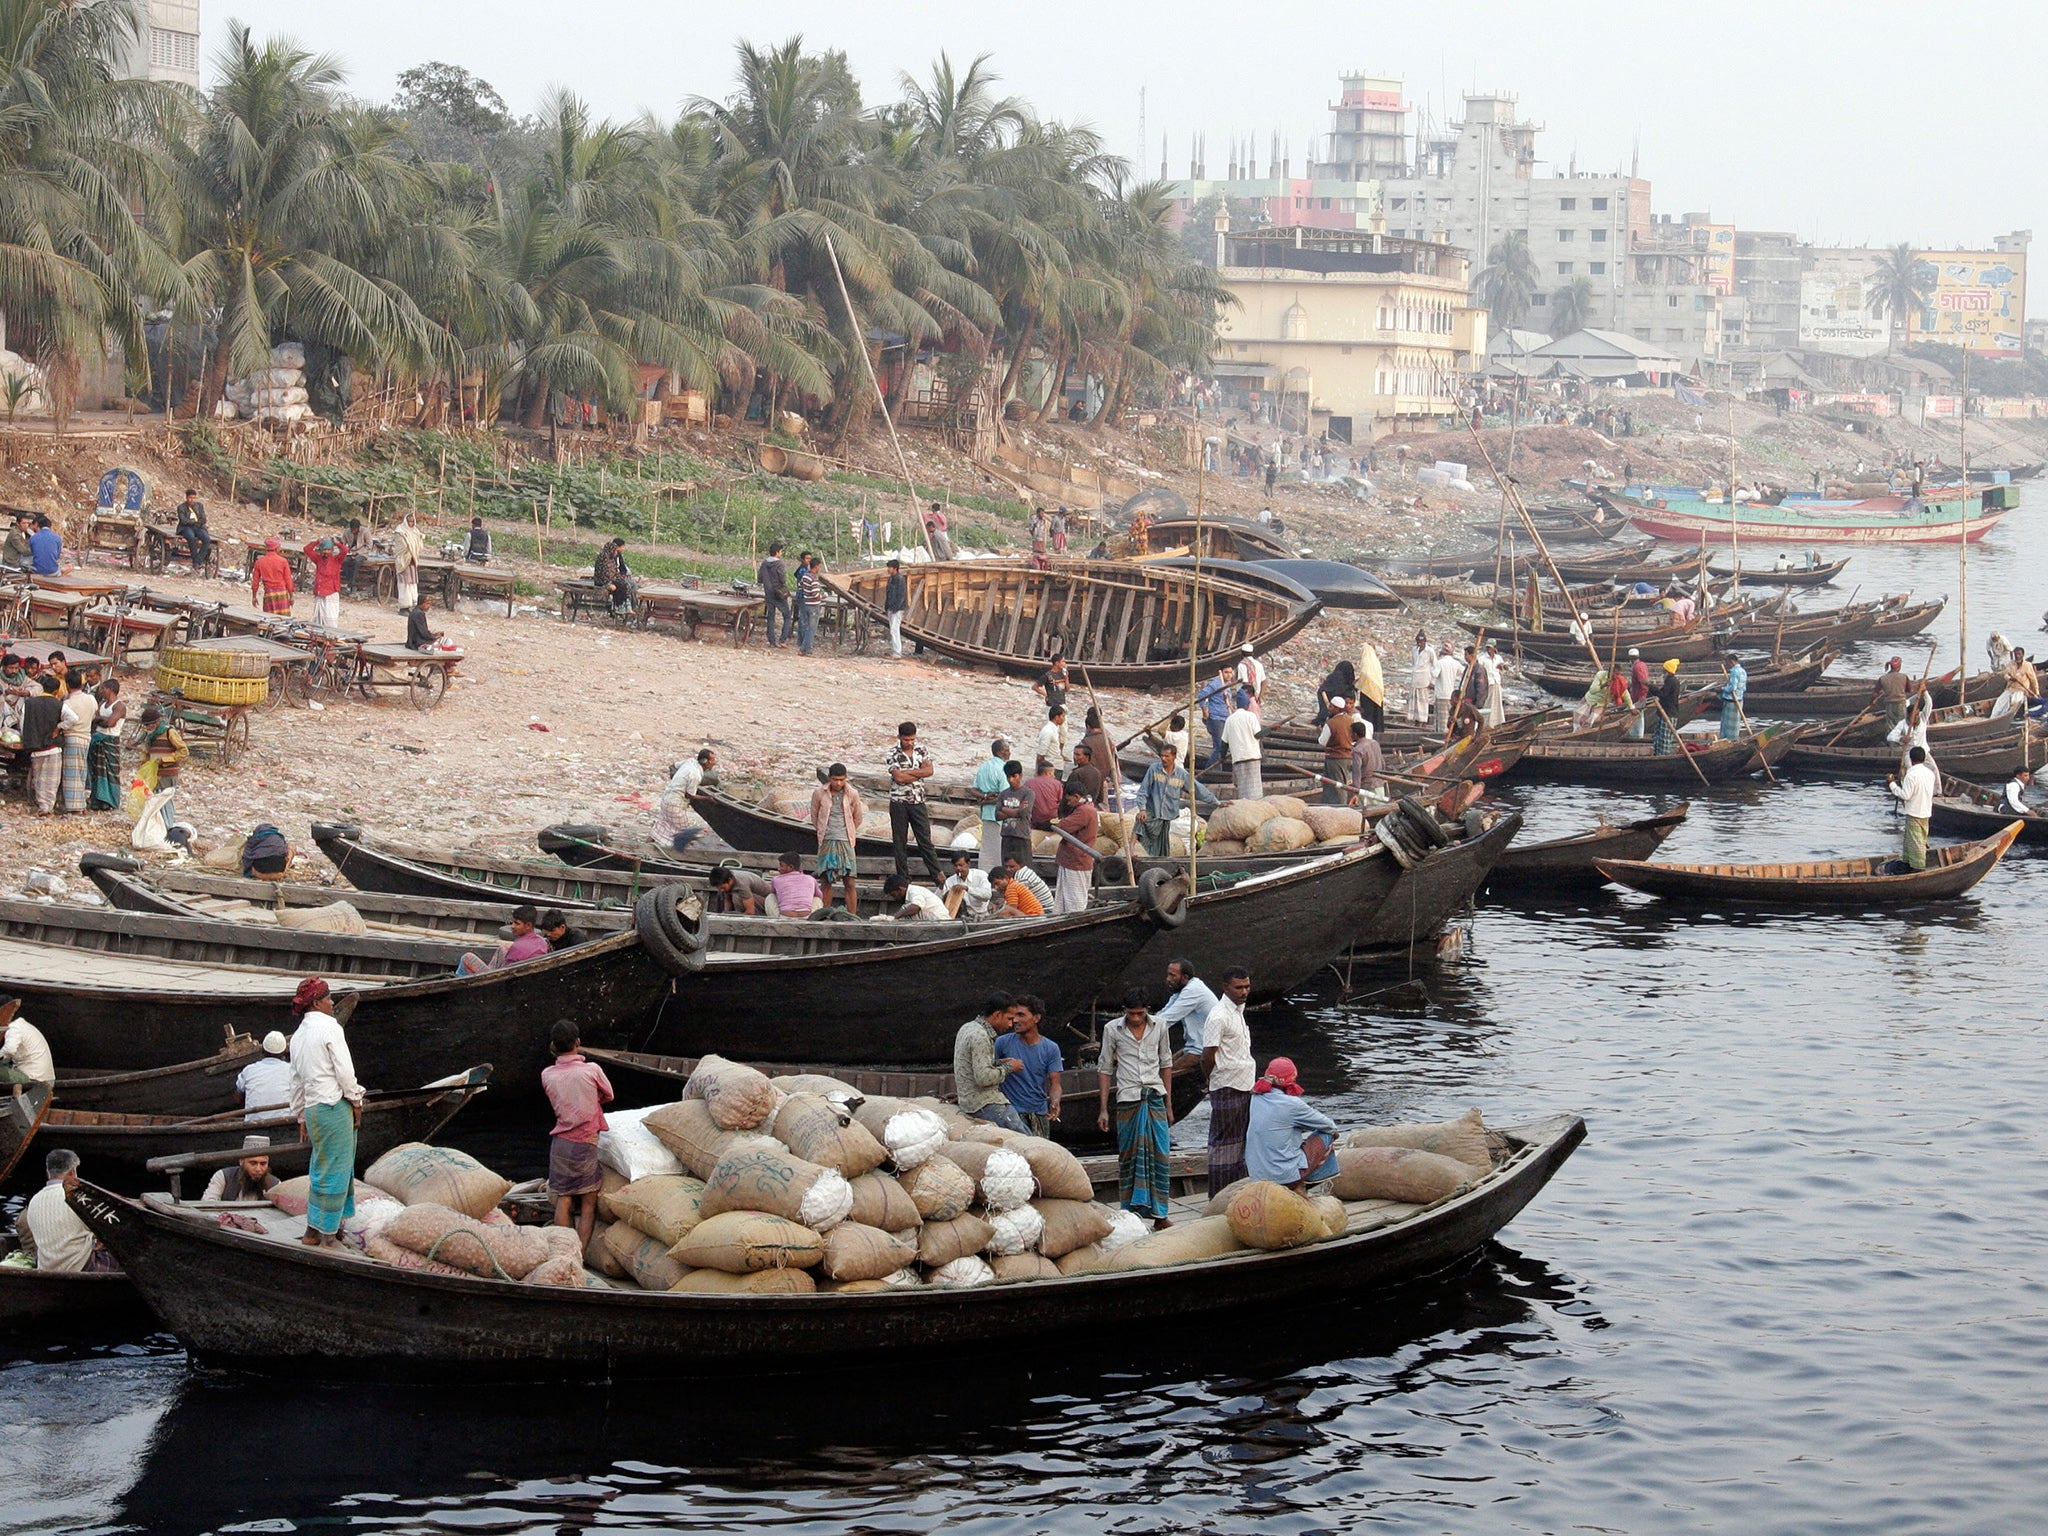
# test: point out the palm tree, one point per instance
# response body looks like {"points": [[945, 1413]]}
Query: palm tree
{"points": [[1898, 289], [80, 148], [1508, 284], [286, 198], [1571, 307]]}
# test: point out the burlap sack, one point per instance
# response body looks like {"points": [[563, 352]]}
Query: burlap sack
{"points": [[335, 917], [417, 1174], [563, 1272], [741, 1098], [1006, 1180], [739, 1242], [1287, 805], [758, 1174], [563, 1243], [961, 1273], [599, 1257], [1463, 1140], [941, 1242], [1044, 844], [1186, 1242], [1334, 821], [912, 1136], [1219, 1203], [1271, 1216], [436, 1232], [384, 1251], [1283, 834], [818, 1083], [972, 1156], [855, 1252], [1336, 1220], [1024, 1266], [939, 1187], [664, 1206], [291, 1195], [821, 1132], [855, 1287], [1088, 1259], [689, 1132], [759, 1282], [1239, 819], [1059, 1173], [958, 1126], [1116, 826], [640, 1258], [876, 1110], [879, 1201], [1015, 1231], [1069, 1224], [986, 1132], [788, 800], [609, 1182], [1224, 847], [1397, 1173]]}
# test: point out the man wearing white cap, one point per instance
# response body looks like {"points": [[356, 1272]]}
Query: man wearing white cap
{"points": [[266, 1083], [1251, 675], [249, 1179], [1496, 670], [1638, 691]]}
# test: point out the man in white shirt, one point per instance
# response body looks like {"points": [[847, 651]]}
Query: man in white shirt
{"points": [[24, 1053], [1188, 1001], [900, 899], [266, 1083], [1251, 674], [1496, 669], [1445, 676], [1241, 741], [1420, 670], [2016, 793], [50, 1230], [1227, 1062], [1052, 739], [1915, 794], [676, 822]]}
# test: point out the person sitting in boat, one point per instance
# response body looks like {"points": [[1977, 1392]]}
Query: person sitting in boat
{"points": [[554, 927], [50, 1231], [265, 854], [250, 1178], [24, 1053], [968, 892], [739, 892], [796, 893], [2016, 793], [1287, 1139], [526, 943], [1784, 562], [265, 1085], [905, 902]]}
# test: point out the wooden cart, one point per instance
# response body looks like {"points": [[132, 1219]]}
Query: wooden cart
{"points": [[123, 632], [160, 546], [482, 581], [222, 729], [388, 666], [690, 608]]}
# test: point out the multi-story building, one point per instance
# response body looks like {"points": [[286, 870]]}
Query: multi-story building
{"points": [[168, 47], [1768, 269], [1355, 334]]}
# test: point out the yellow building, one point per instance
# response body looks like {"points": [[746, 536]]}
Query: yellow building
{"points": [[1347, 331]]}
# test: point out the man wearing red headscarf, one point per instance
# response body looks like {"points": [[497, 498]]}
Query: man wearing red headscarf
{"points": [[270, 579], [1287, 1139], [329, 1101]]}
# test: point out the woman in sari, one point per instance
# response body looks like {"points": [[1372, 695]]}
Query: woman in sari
{"points": [[329, 1102], [1137, 1063], [103, 760]]}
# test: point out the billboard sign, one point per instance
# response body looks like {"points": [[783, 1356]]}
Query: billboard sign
{"points": [[1835, 317], [1975, 299]]}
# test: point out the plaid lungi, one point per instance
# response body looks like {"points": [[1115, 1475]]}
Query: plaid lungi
{"points": [[572, 1167], [1143, 1174], [71, 784], [1230, 1111], [331, 1193], [277, 599], [835, 861], [103, 771], [45, 774]]}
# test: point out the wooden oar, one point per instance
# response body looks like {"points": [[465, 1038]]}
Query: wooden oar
{"points": [[1680, 740], [1113, 767], [1742, 716]]}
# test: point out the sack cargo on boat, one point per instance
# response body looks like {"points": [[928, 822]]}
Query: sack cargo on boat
{"points": [[1462, 1140], [663, 1205], [1330, 822], [335, 917], [939, 1187], [959, 1127], [941, 1242], [1059, 1173], [599, 1255], [913, 1135], [558, 1271], [1015, 1231], [1283, 834], [1125, 1228], [787, 800], [1397, 1173], [630, 1149], [436, 1231], [384, 1251], [962, 1273], [741, 1098], [1024, 1266], [1290, 806], [848, 1287], [610, 1181], [820, 1084], [875, 1110], [1006, 1180], [1271, 1216], [758, 1282], [415, 1174], [741, 1241], [1206, 1237], [879, 1201], [1069, 1224], [760, 1174], [822, 1132], [690, 1134], [855, 1252], [290, 1195], [1225, 847], [1239, 819], [1336, 1220], [642, 1259]]}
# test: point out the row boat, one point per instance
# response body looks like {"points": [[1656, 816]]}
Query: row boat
{"points": [[1936, 519], [1977, 810], [1820, 575], [1636, 764], [1538, 868], [1819, 882]]}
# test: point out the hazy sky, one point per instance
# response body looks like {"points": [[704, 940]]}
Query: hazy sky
{"points": [[1816, 116]]}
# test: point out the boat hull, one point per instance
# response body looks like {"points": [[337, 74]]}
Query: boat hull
{"points": [[1783, 525], [1830, 883], [1564, 862], [1425, 897]]}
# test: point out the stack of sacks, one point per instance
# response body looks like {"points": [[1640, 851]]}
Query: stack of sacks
{"points": [[275, 393], [436, 1210], [1334, 823], [1416, 1164], [788, 800]]}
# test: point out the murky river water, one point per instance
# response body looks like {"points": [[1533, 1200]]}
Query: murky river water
{"points": [[1793, 1281]]}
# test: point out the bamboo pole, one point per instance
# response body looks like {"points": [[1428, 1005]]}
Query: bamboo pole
{"points": [[902, 464], [1542, 550], [1963, 551], [540, 540], [1195, 649], [1734, 532]]}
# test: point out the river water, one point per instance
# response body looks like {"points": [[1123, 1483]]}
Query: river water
{"points": [[1793, 1281]]}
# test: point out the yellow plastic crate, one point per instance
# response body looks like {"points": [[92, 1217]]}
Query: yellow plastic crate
{"points": [[202, 689], [202, 661]]}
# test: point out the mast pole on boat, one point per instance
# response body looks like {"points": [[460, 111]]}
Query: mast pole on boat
{"points": [[1195, 639], [1579, 628], [861, 341], [1963, 549], [1734, 524]]}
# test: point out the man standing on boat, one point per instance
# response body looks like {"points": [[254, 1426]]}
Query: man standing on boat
{"points": [[978, 1073], [1894, 688], [329, 1102], [835, 817], [1136, 1066], [1638, 691], [1230, 1071], [1732, 694], [1241, 740], [908, 766], [896, 603], [1421, 670], [990, 780], [1445, 676], [1161, 794], [1915, 794], [1074, 864]]}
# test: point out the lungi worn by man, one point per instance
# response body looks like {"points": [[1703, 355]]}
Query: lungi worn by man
{"points": [[1137, 1066], [327, 1096]]}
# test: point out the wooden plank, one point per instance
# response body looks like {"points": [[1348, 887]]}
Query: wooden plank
{"points": [[1024, 586], [1078, 647], [1145, 627], [1123, 625], [990, 591]]}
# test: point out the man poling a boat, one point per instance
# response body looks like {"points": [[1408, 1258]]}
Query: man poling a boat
{"points": [[1915, 794], [1732, 693], [329, 1101], [1665, 743], [1161, 795]]}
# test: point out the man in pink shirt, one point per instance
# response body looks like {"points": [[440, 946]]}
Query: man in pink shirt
{"points": [[796, 893], [578, 1090], [526, 944]]}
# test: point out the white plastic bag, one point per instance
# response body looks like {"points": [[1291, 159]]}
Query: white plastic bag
{"points": [[912, 1137], [963, 1272], [1006, 1183], [1017, 1231], [632, 1151]]}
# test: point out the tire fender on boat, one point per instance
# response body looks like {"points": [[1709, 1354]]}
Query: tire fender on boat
{"points": [[1428, 828], [678, 946], [1163, 897]]}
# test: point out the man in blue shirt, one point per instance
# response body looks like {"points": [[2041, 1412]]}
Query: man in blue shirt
{"points": [[1160, 797], [1287, 1139], [990, 780], [1034, 1088], [45, 549], [1188, 1002], [1214, 699]]}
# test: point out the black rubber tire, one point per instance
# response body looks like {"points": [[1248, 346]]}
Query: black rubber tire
{"points": [[647, 919], [684, 937], [1423, 820], [1387, 830], [1163, 898]]}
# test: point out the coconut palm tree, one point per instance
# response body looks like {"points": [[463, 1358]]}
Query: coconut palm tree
{"points": [[1571, 306], [1508, 284], [285, 196], [1898, 288]]}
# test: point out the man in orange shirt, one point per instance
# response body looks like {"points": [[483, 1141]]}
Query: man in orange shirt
{"points": [[1013, 895], [327, 557], [270, 579]]}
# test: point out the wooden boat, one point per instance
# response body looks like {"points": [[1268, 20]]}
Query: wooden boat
{"points": [[1994, 759], [1635, 765], [1821, 882], [1229, 538], [268, 1303], [1937, 519], [1260, 575], [1428, 895], [1977, 810], [184, 1090], [1569, 861], [122, 1145], [1122, 625], [33, 1299], [1457, 563], [1284, 926], [640, 1076], [1897, 623], [397, 869], [1820, 575], [1789, 677], [23, 1109], [1337, 584], [1947, 728]]}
